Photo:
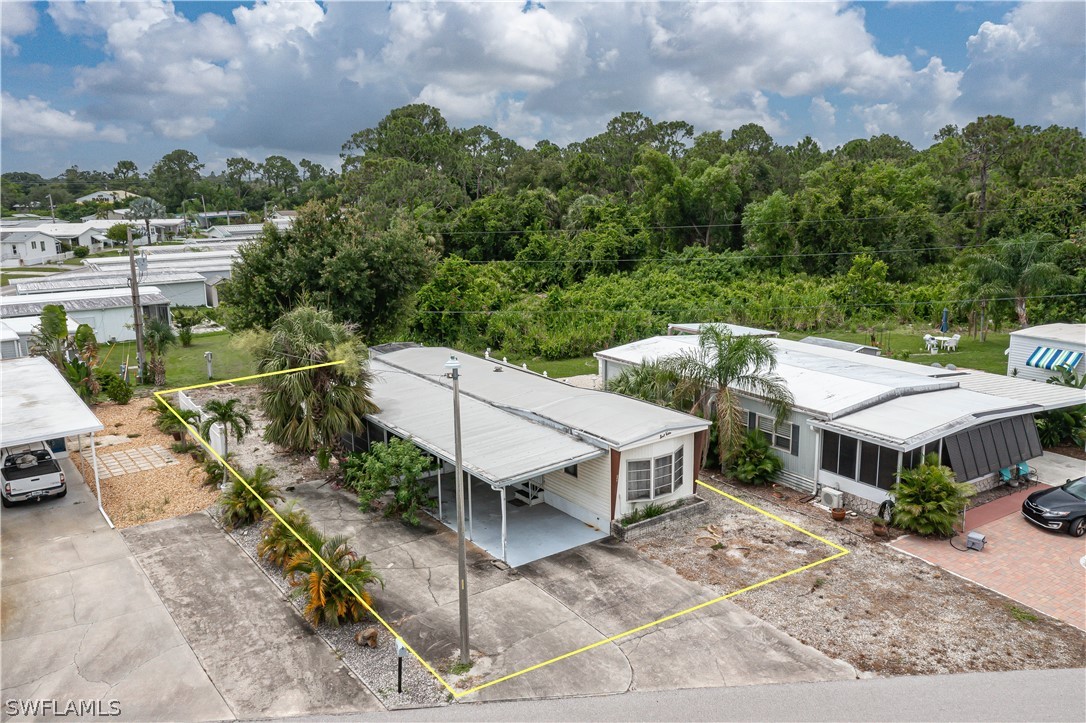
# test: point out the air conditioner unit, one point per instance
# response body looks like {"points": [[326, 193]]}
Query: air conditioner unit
{"points": [[831, 497]]}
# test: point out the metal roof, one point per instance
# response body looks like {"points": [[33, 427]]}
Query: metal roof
{"points": [[36, 403], [25, 325], [907, 422], [1048, 396], [613, 419], [735, 329], [1074, 334], [497, 446], [85, 300], [838, 344], [104, 280]]}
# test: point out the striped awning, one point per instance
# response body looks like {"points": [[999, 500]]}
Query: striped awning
{"points": [[1044, 357]]}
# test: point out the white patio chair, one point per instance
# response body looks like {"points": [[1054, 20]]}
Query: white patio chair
{"points": [[951, 344], [930, 343]]}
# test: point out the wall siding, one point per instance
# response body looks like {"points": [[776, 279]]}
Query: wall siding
{"points": [[1022, 347], [804, 464], [586, 496], [649, 451]]}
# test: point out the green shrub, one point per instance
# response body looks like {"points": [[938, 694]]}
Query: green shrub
{"points": [[754, 462], [927, 500], [240, 507], [213, 469], [397, 465], [1062, 426], [328, 600], [81, 252], [279, 545], [117, 390], [647, 512]]}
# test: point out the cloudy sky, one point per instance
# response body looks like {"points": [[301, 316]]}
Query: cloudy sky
{"points": [[91, 84]]}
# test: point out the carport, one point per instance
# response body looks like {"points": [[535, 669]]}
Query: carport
{"points": [[38, 404], [500, 450]]}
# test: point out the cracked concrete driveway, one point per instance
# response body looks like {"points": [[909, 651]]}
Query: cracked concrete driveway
{"points": [[551, 607], [184, 629], [80, 621]]}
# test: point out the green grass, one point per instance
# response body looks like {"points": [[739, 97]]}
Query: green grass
{"points": [[555, 368], [1022, 616], [186, 365], [972, 353]]}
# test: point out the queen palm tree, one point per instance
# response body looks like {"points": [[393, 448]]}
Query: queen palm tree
{"points": [[231, 418], [311, 409], [158, 336], [721, 366], [1014, 269]]}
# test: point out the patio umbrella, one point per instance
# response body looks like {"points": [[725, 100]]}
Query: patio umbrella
{"points": [[944, 326]]}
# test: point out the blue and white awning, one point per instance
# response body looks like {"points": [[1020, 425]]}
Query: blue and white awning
{"points": [[1044, 357]]}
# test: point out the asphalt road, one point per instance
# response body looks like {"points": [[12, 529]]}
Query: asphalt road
{"points": [[1036, 695]]}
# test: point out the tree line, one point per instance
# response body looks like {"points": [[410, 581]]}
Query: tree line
{"points": [[461, 236]]}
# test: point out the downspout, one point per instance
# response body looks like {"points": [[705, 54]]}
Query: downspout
{"points": [[505, 537]]}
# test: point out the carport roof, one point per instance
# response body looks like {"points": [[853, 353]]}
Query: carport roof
{"points": [[36, 403], [499, 447]]}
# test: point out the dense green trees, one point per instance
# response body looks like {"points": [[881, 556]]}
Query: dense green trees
{"points": [[332, 257]]}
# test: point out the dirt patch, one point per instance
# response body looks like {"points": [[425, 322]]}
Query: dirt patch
{"points": [[878, 609], [1069, 451], [149, 495]]}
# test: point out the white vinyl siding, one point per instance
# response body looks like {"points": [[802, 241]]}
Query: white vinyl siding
{"points": [[589, 492]]}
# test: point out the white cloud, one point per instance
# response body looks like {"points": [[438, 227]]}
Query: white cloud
{"points": [[16, 19], [1031, 64], [182, 127], [33, 118]]}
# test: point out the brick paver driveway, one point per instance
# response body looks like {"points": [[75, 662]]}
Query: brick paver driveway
{"points": [[1035, 567]]}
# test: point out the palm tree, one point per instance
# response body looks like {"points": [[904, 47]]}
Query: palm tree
{"points": [[327, 599], [231, 418], [146, 208], [722, 365], [657, 382], [311, 409], [1014, 269], [158, 335]]}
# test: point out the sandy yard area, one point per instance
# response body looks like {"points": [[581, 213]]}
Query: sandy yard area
{"points": [[882, 611], [136, 497]]}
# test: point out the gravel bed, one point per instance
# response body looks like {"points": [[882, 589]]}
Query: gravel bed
{"points": [[882, 611], [375, 667], [155, 494]]}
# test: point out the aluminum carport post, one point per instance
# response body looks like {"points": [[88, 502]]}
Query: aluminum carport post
{"points": [[505, 557], [97, 486], [453, 365]]}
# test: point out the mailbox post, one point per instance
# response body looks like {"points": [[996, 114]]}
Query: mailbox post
{"points": [[401, 650], [207, 358]]}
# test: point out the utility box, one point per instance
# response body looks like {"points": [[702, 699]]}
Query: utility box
{"points": [[975, 541]]}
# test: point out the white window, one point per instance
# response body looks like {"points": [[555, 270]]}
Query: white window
{"points": [[778, 435], [648, 479]]}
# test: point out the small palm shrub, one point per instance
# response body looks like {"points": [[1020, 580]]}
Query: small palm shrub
{"points": [[753, 462], [213, 470], [240, 507], [327, 599], [279, 545], [927, 500]]}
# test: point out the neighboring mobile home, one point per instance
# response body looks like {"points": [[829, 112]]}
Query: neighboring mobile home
{"points": [[857, 420], [1037, 353], [107, 311]]}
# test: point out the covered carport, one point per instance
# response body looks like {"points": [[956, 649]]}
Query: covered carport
{"points": [[500, 450], [37, 404]]}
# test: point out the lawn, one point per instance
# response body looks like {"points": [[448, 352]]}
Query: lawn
{"points": [[972, 353], [186, 365], [7, 277], [554, 368]]}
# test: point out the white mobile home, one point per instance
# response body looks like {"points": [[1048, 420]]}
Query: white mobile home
{"points": [[26, 248], [107, 311], [1038, 352], [15, 333], [182, 288], [857, 420], [576, 458]]}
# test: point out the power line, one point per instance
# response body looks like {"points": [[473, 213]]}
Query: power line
{"points": [[730, 309]]}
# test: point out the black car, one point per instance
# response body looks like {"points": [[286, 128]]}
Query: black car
{"points": [[1059, 508]]}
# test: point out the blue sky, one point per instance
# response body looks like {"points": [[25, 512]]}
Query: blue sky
{"points": [[91, 84]]}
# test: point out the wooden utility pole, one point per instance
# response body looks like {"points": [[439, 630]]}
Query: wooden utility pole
{"points": [[137, 309]]}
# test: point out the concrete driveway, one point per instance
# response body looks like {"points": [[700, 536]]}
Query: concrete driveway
{"points": [[79, 620], [523, 617], [172, 620]]}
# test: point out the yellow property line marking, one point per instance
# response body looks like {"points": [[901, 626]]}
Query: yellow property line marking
{"points": [[841, 552]]}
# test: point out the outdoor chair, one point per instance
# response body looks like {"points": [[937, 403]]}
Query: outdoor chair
{"points": [[951, 344], [1023, 471], [931, 344], [1007, 474]]}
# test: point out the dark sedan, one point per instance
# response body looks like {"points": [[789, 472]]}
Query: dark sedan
{"points": [[1059, 508]]}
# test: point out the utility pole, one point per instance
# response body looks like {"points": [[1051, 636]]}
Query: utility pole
{"points": [[137, 309], [453, 365], [52, 213]]}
